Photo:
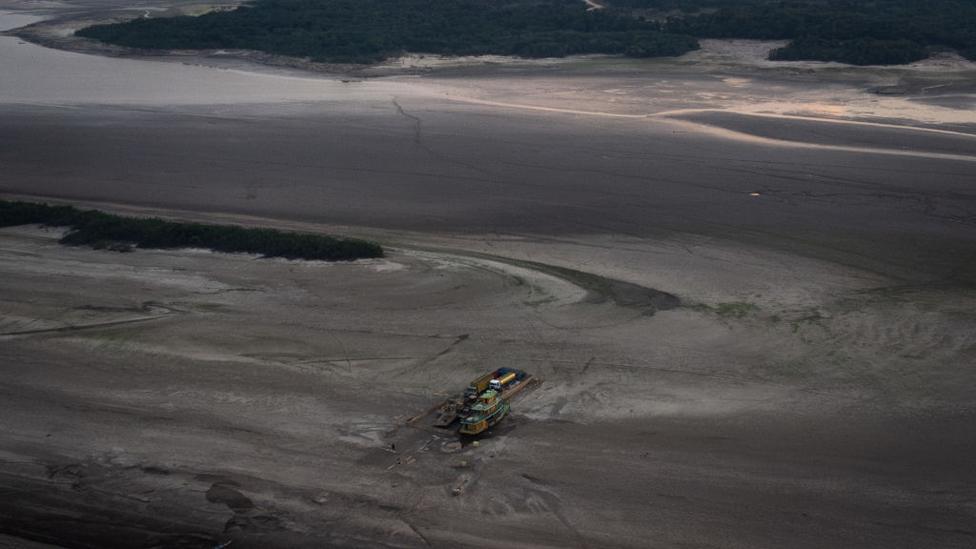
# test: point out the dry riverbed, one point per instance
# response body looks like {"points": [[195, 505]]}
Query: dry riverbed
{"points": [[747, 286], [188, 398]]}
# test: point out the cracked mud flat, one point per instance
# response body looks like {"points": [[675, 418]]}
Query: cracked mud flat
{"points": [[749, 291]]}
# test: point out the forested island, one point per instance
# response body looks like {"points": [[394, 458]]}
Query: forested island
{"points": [[864, 32], [367, 31], [859, 32]]}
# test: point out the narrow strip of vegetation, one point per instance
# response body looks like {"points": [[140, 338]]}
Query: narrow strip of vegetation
{"points": [[102, 230]]}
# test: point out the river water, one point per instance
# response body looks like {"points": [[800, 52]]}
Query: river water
{"points": [[33, 74]]}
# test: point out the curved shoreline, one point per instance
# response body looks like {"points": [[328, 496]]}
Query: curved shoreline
{"points": [[57, 31], [598, 288]]}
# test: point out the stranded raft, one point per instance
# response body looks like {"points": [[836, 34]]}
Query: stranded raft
{"points": [[485, 402]]}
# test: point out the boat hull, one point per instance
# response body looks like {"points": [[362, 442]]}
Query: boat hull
{"points": [[479, 427]]}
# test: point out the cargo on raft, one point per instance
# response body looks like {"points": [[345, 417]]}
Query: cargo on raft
{"points": [[484, 402]]}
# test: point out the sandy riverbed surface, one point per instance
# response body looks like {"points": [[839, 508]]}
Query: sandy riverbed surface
{"points": [[748, 286]]}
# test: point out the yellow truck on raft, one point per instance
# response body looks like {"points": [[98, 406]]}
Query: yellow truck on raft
{"points": [[485, 402]]}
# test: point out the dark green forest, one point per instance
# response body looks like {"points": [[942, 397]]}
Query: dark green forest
{"points": [[860, 32], [366, 31], [106, 231]]}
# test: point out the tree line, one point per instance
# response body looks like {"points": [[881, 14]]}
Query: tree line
{"points": [[860, 32], [366, 31]]}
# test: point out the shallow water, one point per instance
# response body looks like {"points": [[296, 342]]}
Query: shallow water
{"points": [[13, 20], [37, 75]]}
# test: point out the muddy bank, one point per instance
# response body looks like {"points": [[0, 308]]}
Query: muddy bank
{"points": [[511, 173], [273, 396]]}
